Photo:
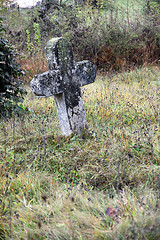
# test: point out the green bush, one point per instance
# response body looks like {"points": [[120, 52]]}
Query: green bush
{"points": [[10, 89]]}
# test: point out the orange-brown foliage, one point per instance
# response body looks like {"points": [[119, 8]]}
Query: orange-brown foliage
{"points": [[107, 59], [33, 65]]}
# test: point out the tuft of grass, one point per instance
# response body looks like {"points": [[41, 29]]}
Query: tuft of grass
{"points": [[102, 185], [45, 209]]}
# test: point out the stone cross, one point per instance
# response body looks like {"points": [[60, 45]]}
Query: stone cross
{"points": [[63, 80]]}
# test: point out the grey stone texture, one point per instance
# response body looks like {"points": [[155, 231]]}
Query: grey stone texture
{"points": [[63, 80]]}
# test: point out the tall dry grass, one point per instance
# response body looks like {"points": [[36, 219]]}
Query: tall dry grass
{"points": [[103, 185]]}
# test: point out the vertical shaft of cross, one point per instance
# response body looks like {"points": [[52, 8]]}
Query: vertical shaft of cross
{"points": [[60, 56], [62, 114]]}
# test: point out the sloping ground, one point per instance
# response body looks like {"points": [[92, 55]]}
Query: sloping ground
{"points": [[103, 185]]}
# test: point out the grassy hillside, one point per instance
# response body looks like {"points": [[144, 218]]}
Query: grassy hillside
{"points": [[102, 185]]}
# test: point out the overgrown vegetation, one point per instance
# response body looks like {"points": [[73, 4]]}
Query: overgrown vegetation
{"points": [[101, 186], [105, 184], [10, 90], [113, 35]]}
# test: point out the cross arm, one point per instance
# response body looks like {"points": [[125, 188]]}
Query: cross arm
{"points": [[47, 84], [85, 72]]}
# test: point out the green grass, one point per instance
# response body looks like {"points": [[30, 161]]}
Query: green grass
{"points": [[137, 5], [60, 188], [120, 9]]}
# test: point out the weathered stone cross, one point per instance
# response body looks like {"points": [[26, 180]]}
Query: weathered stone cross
{"points": [[63, 80]]}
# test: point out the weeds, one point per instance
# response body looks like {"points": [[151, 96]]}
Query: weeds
{"points": [[42, 209], [115, 36], [105, 184], [102, 186]]}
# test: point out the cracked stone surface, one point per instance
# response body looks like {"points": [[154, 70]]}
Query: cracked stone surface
{"points": [[63, 80]]}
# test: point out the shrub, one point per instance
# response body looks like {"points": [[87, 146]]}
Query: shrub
{"points": [[10, 89]]}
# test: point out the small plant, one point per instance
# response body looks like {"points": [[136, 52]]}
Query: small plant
{"points": [[29, 43], [37, 36], [33, 43]]}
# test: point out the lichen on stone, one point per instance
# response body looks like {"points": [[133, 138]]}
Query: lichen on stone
{"points": [[63, 80]]}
